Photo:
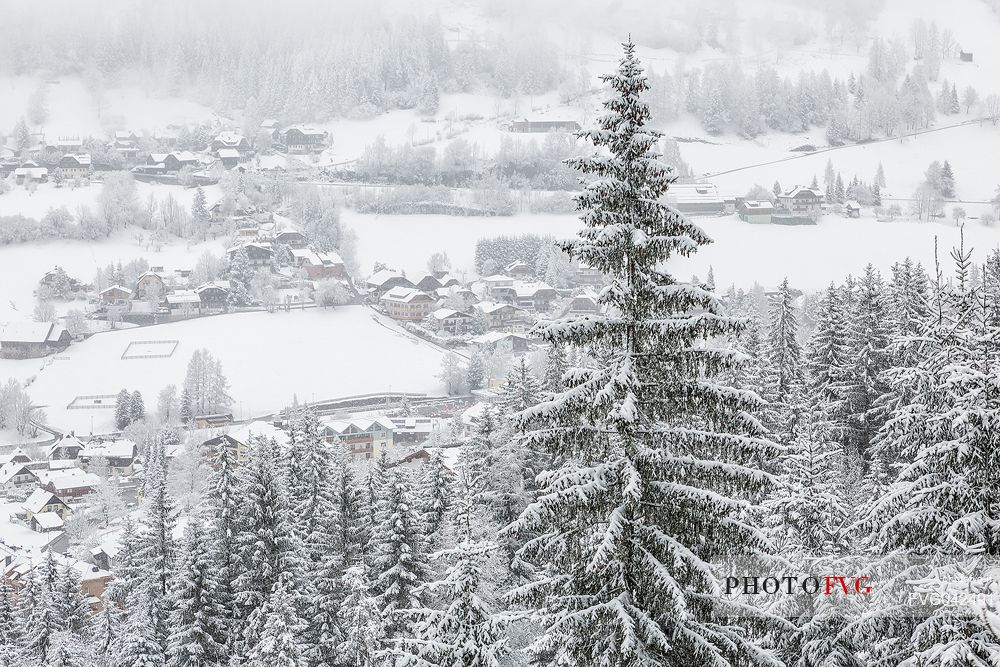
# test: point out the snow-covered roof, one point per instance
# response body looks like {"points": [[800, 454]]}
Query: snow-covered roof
{"points": [[800, 191], [404, 294], [493, 306], [183, 296], [71, 478], [498, 279], [116, 287], [244, 432], [380, 278], [211, 285], [30, 332], [445, 313], [9, 470], [851, 203], [305, 129], [229, 138], [492, 337], [17, 453], [685, 193], [33, 172], [38, 499], [65, 442], [758, 205], [529, 289], [118, 449], [228, 153], [341, 426], [48, 520]]}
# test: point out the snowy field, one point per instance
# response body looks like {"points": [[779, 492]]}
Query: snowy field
{"points": [[267, 357], [33, 204], [22, 265]]}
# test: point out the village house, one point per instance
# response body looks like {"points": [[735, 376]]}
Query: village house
{"points": [[501, 343], [269, 126], [535, 296], [64, 145], [214, 297], [126, 144], [584, 303], [319, 265], [499, 315], [16, 456], [498, 288], [240, 437], [30, 172], [801, 202], [150, 284], [302, 139], [755, 211], [406, 303], [184, 303], [66, 448], [544, 125], [429, 283], [518, 269], [29, 340], [43, 501], [174, 161], [94, 580], [292, 238], [452, 322], [382, 281], [696, 199], [119, 454], [259, 254], [229, 157], [68, 484], [446, 279], [75, 166], [361, 437], [15, 477], [588, 275], [116, 295], [413, 430], [218, 420], [461, 298], [232, 141], [852, 209]]}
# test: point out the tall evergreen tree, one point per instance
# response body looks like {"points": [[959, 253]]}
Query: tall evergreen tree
{"points": [[784, 377], [657, 453]]}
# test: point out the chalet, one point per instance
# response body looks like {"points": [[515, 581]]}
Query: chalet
{"points": [[362, 438], [535, 296], [119, 454], [126, 144], [150, 285], [755, 211], [965, 56], [41, 501], [229, 157], [852, 209], [413, 430], [269, 126], [214, 297], [499, 315], [801, 202], [501, 343], [29, 340], [16, 476], [518, 269], [406, 303], [498, 288], [588, 275], [218, 420], [429, 283], [116, 295], [70, 484], [319, 265], [173, 162], [302, 139], [240, 438], [526, 125], [16, 456], [75, 166], [94, 580], [585, 303], [292, 238], [29, 172], [447, 280], [696, 199], [64, 145], [450, 321], [233, 141], [463, 296], [66, 448], [184, 303], [259, 254], [385, 280]]}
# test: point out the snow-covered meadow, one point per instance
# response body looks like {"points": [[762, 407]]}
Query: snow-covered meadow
{"points": [[269, 358]]}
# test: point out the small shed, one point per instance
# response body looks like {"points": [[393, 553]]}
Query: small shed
{"points": [[852, 209], [965, 56]]}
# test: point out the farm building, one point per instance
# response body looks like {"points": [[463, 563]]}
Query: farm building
{"points": [[696, 199], [754, 211], [27, 340]]}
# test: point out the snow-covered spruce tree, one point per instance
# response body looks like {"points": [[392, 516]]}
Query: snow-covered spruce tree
{"points": [[266, 546], [11, 626], [137, 645], [868, 341], [223, 524], [827, 363], [556, 366], [944, 504], [464, 632], [123, 409], [351, 508], [360, 621], [279, 644], [155, 544], [662, 462], [478, 458], [197, 629], [435, 493], [522, 389], [784, 378], [315, 520], [399, 563]]}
